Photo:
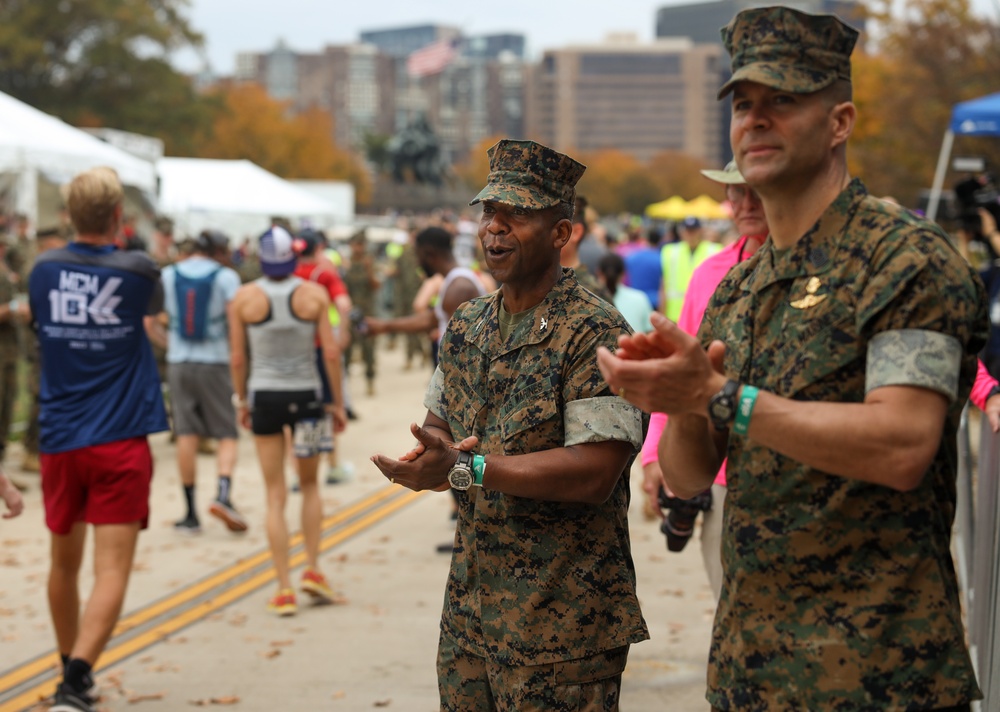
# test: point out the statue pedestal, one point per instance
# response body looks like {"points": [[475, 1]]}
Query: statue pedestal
{"points": [[418, 198]]}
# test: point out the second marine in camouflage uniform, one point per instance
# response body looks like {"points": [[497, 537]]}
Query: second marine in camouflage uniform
{"points": [[847, 347], [541, 607], [803, 324]]}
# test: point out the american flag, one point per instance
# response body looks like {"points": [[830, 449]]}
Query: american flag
{"points": [[431, 59]]}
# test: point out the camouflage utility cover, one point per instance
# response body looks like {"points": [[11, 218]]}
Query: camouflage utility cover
{"points": [[526, 174], [531, 581], [788, 50], [839, 594]]}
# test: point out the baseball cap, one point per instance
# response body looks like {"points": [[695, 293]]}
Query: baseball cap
{"points": [[730, 175], [308, 241], [277, 253], [787, 49], [526, 174], [691, 223], [211, 242]]}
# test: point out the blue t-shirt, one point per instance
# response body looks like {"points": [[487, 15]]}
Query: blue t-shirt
{"points": [[99, 378], [645, 273], [214, 348]]}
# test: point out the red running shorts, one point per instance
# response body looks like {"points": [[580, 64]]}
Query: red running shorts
{"points": [[102, 484]]}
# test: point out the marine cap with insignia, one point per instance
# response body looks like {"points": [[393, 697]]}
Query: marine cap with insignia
{"points": [[788, 50], [526, 174]]}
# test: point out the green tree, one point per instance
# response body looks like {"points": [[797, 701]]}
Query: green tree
{"points": [[103, 63]]}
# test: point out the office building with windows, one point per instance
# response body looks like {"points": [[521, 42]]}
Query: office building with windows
{"points": [[640, 98]]}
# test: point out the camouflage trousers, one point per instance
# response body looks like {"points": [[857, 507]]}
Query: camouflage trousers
{"points": [[366, 343], [469, 683], [34, 388], [8, 392]]}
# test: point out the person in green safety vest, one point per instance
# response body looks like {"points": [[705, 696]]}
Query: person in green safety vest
{"points": [[679, 260]]}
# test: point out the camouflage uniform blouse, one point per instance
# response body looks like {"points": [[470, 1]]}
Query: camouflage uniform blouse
{"points": [[839, 594], [532, 581]]}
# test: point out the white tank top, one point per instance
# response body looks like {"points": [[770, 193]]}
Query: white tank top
{"points": [[456, 273], [282, 347]]}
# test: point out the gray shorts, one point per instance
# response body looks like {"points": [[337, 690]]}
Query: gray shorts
{"points": [[201, 399]]}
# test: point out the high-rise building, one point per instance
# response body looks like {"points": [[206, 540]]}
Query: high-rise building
{"points": [[473, 99], [401, 42], [701, 21], [366, 87], [355, 84], [639, 98]]}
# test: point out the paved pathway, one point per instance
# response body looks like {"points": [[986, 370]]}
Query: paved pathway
{"points": [[195, 631]]}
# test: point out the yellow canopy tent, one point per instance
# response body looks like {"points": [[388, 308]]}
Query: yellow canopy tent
{"points": [[674, 208], [704, 208]]}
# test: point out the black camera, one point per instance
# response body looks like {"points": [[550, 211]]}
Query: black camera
{"points": [[678, 526], [358, 322]]}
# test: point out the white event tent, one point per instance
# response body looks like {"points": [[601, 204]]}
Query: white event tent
{"points": [[235, 196], [37, 149]]}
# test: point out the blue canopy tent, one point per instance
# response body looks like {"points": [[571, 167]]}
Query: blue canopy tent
{"points": [[978, 117]]}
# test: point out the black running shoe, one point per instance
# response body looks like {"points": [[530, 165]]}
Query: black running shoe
{"points": [[67, 700], [189, 526]]}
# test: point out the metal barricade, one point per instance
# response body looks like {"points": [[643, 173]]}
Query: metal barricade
{"points": [[977, 543]]}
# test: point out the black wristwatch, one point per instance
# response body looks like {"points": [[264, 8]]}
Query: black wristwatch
{"points": [[993, 391], [722, 406], [460, 476]]}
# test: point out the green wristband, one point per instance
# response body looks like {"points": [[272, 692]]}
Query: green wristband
{"points": [[748, 399], [478, 470]]}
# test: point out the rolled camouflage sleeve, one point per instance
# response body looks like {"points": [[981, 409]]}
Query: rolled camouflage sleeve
{"points": [[434, 396], [595, 420]]}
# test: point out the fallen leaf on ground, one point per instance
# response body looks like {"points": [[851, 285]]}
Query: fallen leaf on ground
{"points": [[226, 700], [383, 703], [146, 697]]}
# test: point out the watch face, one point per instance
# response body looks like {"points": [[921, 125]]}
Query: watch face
{"points": [[722, 408], [460, 478]]}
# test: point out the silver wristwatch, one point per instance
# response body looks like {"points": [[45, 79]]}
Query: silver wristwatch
{"points": [[460, 476]]}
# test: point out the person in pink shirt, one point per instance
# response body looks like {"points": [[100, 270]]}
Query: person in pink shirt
{"points": [[748, 216]]}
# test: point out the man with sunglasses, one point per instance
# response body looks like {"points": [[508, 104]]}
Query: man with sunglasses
{"points": [[831, 369]]}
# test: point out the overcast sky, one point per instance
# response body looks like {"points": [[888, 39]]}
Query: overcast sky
{"points": [[232, 26]]}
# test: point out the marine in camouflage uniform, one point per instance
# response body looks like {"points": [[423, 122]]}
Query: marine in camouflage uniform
{"points": [[363, 286], [839, 590], [405, 287], [540, 607], [45, 239], [841, 594], [9, 350]]}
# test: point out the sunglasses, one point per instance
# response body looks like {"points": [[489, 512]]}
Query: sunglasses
{"points": [[739, 193]]}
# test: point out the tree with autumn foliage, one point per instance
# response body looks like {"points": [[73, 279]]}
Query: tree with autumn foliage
{"points": [[616, 181], [678, 173], [251, 125], [472, 172], [930, 55]]}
